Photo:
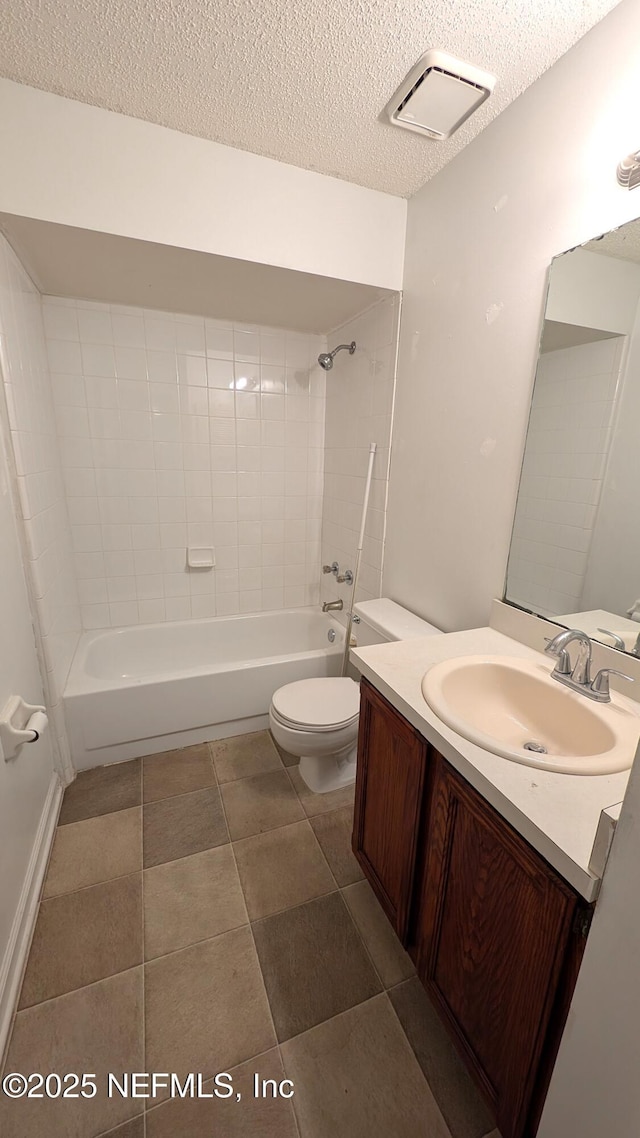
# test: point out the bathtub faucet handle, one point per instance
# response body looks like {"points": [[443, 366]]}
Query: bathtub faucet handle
{"points": [[333, 568]]}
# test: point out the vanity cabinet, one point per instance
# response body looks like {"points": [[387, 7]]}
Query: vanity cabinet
{"points": [[495, 933], [392, 764]]}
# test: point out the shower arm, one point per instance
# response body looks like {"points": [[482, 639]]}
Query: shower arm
{"points": [[325, 359]]}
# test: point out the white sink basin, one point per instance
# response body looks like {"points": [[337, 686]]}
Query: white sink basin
{"points": [[502, 703]]}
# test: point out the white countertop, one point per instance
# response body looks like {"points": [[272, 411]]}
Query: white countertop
{"points": [[558, 814]]}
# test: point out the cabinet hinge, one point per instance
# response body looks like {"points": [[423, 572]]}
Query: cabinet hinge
{"points": [[582, 922]]}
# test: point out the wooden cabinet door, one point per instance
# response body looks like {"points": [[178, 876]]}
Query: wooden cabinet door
{"points": [[389, 794], [493, 925]]}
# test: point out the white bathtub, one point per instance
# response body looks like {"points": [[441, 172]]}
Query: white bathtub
{"points": [[150, 688]]}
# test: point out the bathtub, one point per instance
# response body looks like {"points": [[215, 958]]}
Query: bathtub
{"points": [[150, 688]]}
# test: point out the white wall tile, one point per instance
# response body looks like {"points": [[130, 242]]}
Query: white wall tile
{"points": [[175, 429], [359, 401]]}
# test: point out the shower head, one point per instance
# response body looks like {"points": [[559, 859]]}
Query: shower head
{"points": [[325, 359]]}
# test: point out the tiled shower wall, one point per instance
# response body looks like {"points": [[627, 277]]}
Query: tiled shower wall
{"points": [[178, 431], [359, 404], [49, 566], [572, 412]]}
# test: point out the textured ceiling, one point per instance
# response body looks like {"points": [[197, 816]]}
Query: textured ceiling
{"points": [[623, 243], [297, 80]]}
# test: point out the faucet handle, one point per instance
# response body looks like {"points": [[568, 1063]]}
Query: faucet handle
{"points": [[618, 642], [563, 667], [601, 683]]}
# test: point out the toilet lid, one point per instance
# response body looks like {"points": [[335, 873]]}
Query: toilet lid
{"points": [[324, 702]]}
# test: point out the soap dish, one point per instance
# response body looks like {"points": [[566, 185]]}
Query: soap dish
{"points": [[200, 557]]}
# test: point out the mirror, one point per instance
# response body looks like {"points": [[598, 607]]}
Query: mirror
{"points": [[575, 549]]}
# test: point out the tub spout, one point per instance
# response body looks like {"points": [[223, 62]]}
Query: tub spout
{"points": [[332, 606]]}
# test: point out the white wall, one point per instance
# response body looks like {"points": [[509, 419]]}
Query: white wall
{"points": [[480, 238], [160, 451], [48, 557], [594, 291], [359, 407], [67, 162], [29, 789], [568, 442], [594, 1088]]}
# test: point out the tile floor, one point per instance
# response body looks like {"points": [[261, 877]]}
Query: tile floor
{"points": [[203, 912]]}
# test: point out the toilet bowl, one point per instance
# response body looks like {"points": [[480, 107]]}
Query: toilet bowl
{"points": [[317, 719]]}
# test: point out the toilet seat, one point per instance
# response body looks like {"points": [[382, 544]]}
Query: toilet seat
{"points": [[324, 704]]}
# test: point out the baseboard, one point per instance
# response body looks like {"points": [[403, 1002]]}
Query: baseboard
{"points": [[15, 959]]}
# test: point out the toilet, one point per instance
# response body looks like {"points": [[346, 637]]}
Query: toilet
{"points": [[317, 719]]}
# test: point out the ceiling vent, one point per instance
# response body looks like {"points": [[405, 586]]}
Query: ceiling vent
{"points": [[438, 95]]}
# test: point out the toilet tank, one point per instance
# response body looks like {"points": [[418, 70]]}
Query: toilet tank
{"points": [[383, 620]]}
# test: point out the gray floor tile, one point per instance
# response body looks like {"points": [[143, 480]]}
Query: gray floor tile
{"points": [[83, 937], [288, 759], [254, 805], [177, 772], [356, 1076], [97, 849], [244, 755], [97, 1029], [282, 868], [101, 791], [225, 1118], [314, 964], [132, 1129], [192, 899], [454, 1090], [393, 964], [177, 827], [206, 1008], [333, 831]]}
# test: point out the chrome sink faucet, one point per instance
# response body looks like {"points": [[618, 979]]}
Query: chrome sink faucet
{"points": [[578, 678]]}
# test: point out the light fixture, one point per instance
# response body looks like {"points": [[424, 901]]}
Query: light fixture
{"points": [[628, 171], [438, 95]]}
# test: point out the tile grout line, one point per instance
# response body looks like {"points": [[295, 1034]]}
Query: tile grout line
{"points": [[362, 941], [94, 885], [115, 1129], [199, 789], [315, 1028], [338, 890], [299, 905], [253, 941], [159, 865], [326, 860], [195, 943], [445, 1124], [321, 813], [306, 818], [82, 988]]}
